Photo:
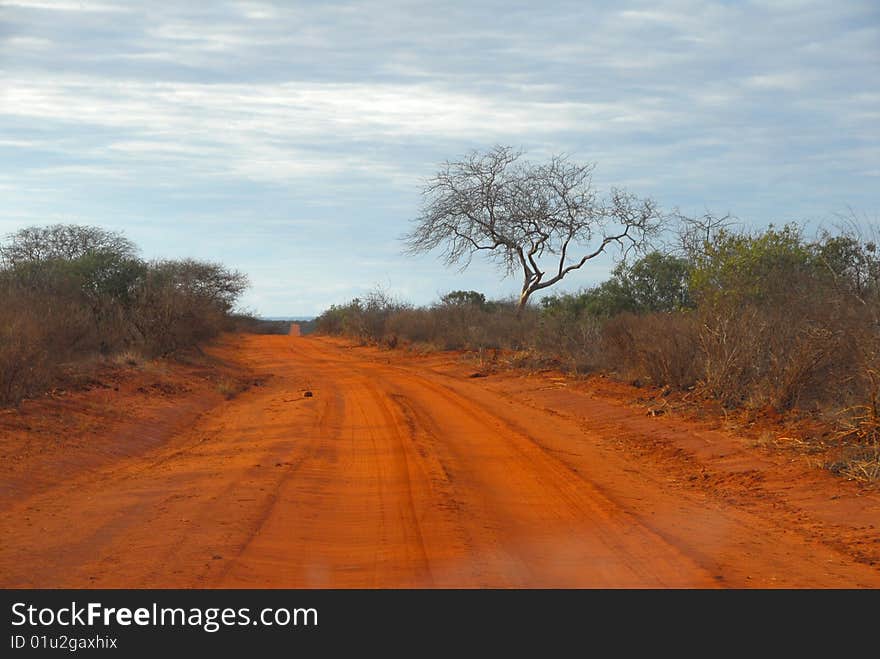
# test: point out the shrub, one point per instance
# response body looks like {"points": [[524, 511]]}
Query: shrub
{"points": [[761, 319], [571, 336], [413, 325], [654, 283], [662, 348], [464, 298], [70, 292]]}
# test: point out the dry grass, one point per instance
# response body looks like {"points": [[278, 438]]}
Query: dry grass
{"points": [[858, 463], [860, 434], [860, 424]]}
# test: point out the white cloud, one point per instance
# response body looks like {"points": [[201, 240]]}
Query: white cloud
{"points": [[271, 131], [62, 5], [27, 43], [791, 81]]}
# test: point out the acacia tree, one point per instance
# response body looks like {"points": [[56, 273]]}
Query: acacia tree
{"points": [[541, 220], [65, 242]]}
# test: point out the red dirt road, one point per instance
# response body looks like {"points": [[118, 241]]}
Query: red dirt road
{"points": [[400, 471]]}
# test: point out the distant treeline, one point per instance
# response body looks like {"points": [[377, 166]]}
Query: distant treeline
{"points": [[255, 325], [762, 319], [72, 292]]}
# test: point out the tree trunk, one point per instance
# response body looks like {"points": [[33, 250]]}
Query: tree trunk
{"points": [[523, 300]]}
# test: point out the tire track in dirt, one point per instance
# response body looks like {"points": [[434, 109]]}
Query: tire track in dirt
{"points": [[397, 475]]}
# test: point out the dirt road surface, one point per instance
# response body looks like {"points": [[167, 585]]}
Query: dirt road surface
{"points": [[354, 467]]}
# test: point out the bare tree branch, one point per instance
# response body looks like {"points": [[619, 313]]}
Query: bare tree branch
{"points": [[520, 214]]}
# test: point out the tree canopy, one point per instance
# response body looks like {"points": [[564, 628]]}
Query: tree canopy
{"points": [[541, 220]]}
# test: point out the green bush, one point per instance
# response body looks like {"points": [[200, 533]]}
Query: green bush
{"points": [[655, 283]]}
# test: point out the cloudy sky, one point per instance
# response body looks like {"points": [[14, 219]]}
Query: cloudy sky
{"points": [[291, 139]]}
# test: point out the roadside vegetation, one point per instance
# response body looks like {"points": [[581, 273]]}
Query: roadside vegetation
{"points": [[73, 294], [769, 321]]}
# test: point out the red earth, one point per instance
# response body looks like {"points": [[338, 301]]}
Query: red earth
{"points": [[343, 466]]}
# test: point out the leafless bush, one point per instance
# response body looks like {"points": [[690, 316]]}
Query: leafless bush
{"points": [[365, 319], [661, 347], [729, 344], [499, 326], [576, 341], [801, 353], [413, 325], [380, 319], [460, 326], [24, 363], [38, 336]]}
